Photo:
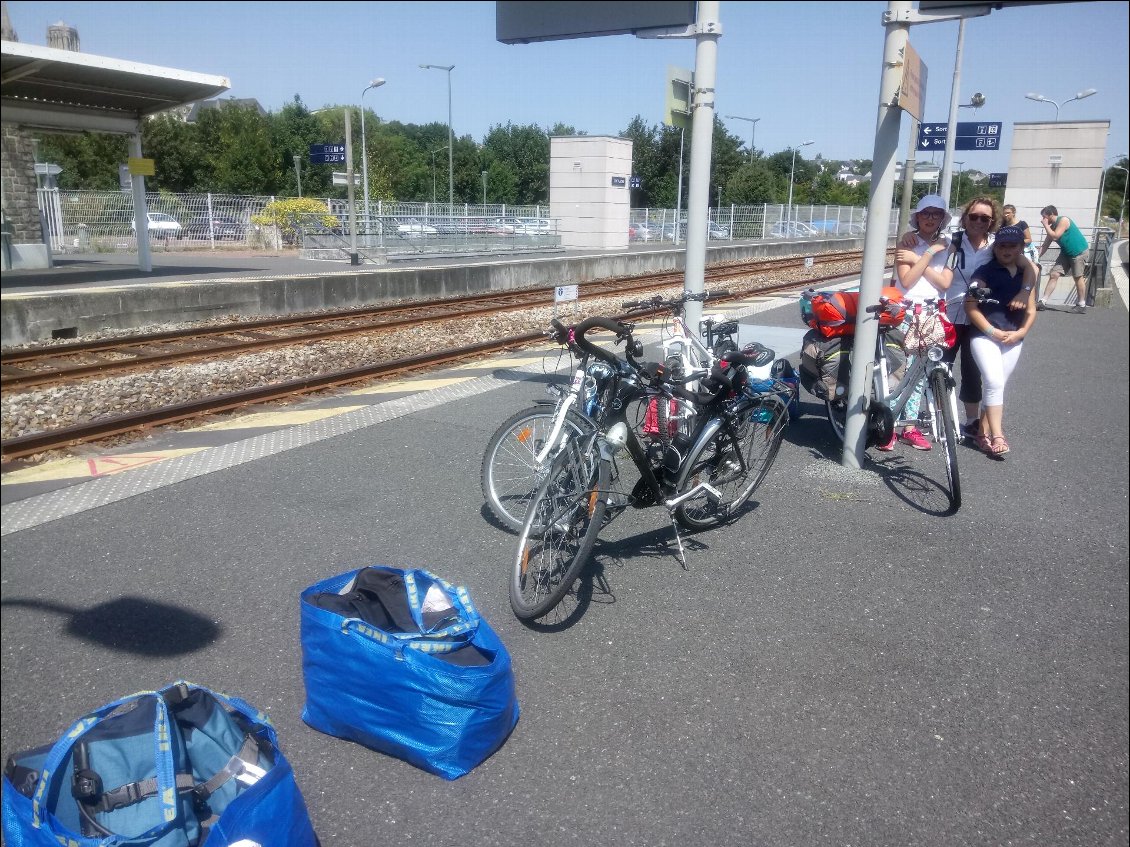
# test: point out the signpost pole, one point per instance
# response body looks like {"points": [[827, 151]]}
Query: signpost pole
{"points": [[951, 130], [353, 258]]}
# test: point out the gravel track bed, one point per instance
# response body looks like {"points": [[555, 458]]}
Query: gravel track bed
{"points": [[40, 410]]}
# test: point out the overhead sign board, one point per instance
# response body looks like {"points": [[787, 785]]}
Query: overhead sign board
{"points": [[912, 90], [998, 180], [969, 136], [327, 154], [680, 97], [521, 22]]}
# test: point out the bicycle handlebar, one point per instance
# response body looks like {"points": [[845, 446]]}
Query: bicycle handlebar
{"points": [[674, 303], [622, 330]]}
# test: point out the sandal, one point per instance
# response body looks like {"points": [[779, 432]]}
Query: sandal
{"points": [[985, 444], [999, 446]]}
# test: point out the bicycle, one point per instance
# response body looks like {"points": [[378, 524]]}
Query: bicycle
{"points": [[702, 480], [518, 452], [516, 456], [885, 405]]}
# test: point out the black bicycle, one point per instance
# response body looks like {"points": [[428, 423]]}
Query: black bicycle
{"points": [[702, 479]]}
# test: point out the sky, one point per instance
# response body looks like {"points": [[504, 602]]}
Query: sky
{"points": [[807, 71]]}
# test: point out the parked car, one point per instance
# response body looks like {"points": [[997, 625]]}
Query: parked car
{"points": [[716, 230], [535, 226], [162, 226], [641, 232], [412, 228], [791, 229], [220, 227], [506, 226]]}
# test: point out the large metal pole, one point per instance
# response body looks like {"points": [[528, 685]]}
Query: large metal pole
{"points": [[349, 193], [908, 178], [789, 216], [951, 127], [450, 150], [702, 137], [364, 162], [140, 210], [679, 192], [877, 235]]}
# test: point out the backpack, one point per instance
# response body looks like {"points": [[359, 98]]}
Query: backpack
{"points": [[825, 363], [169, 768], [833, 313]]}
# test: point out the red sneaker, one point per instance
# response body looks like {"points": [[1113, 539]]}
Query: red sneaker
{"points": [[915, 439], [889, 446]]}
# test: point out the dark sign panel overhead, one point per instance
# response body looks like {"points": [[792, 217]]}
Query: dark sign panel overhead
{"points": [[522, 22]]}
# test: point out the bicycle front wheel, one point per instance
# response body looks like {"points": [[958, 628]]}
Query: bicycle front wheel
{"points": [[942, 389], [562, 522], [733, 463], [510, 472]]}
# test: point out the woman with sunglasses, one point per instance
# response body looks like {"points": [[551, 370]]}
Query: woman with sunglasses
{"points": [[921, 274], [971, 247]]}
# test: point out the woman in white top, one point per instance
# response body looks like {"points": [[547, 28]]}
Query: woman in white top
{"points": [[921, 274], [970, 247]]}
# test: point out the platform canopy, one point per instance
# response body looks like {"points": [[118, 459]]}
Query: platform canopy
{"points": [[68, 91]]}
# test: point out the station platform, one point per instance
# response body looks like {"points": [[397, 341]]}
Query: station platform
{"points": [[845, 664]]}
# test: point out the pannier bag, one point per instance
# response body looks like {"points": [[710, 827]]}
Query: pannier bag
{"points": [[400, 661], [833, 312], [169, 768], [825, 363]]}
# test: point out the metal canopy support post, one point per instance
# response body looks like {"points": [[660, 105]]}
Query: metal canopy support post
{"points": [[875, 238], [140, 209], [702, 134]]}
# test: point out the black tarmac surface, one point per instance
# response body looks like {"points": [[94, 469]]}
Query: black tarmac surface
{"points": [[844, 665]]}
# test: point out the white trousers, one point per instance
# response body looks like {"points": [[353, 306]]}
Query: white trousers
{"points": [[997, 362]]}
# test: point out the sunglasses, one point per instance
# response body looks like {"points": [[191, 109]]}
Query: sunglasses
{"points": [[984, 219], [931, 213]]}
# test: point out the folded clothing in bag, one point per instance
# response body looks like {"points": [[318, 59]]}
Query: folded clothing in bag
{"points": [[400, 661]]}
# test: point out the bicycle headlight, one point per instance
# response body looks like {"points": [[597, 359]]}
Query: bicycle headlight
{"points": [[617, 436], [935, 353]]}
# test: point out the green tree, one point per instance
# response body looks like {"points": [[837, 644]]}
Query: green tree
{"points": [[89, 161], [179, 160], [752, 185], [525, 150], [240, 157]]}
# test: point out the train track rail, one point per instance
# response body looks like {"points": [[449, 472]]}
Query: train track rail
{"points": [[23, 447], [50, 364]]}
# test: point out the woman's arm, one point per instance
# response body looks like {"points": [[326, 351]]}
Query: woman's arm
{"points": [[910, 267]]}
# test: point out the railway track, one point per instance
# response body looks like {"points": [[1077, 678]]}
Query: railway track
{"points": [[146, 352]]}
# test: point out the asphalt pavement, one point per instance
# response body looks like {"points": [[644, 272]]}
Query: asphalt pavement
{"points": [[846, 664]]}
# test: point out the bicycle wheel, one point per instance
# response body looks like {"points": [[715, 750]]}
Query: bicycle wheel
{"points": [[568, 507], [837, 416], [734, 462], [510, 473], [942, 388]]}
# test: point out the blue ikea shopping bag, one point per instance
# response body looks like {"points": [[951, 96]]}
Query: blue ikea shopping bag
{"points": [[171, 768], [400, 661]]}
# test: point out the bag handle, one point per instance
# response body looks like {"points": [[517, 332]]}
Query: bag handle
{"points": [[162, 757]]}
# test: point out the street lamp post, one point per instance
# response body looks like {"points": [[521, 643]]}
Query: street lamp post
{"points": [[957, 190], [752, 129], [1040, 98], [1121, 208], [376, 83], [434, 173], [450, 139], [792, 173]]}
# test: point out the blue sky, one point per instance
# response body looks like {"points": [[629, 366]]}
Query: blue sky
{"points": [[807, 70]]}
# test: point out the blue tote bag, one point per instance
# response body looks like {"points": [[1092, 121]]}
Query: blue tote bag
{"points": [[171, 768], [400, 661]]}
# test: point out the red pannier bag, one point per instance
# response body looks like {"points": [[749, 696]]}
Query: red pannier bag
{"points": [[833, 312]]}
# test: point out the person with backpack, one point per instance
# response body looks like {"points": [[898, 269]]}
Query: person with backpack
{"points": [[921, 274], [970, 247], [998, 329], [1072, 256]]}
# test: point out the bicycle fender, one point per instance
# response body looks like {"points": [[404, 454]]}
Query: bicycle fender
{"points": [[708, 432]]}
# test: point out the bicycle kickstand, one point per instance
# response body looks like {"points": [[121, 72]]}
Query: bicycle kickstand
{"points": [[679, 543]]}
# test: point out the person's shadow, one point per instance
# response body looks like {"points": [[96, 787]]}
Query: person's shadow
{"points": [[132, 625]]}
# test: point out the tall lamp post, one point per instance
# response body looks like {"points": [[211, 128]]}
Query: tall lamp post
{"points": [[1121, 208], [376, 83], [792, 173], [957, 190], [450, 140], [434, 173], [752, 129], [1040, 98]]}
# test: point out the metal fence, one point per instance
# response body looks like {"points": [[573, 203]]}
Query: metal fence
{"points": [[103, 221]]}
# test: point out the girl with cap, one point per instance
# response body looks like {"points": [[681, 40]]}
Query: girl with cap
{"points": [[998, 329], [921, 274]]}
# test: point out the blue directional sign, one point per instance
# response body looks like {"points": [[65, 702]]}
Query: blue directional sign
{"points": [[969, 136], [634, 182], [327, 154], [998, 180]]}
